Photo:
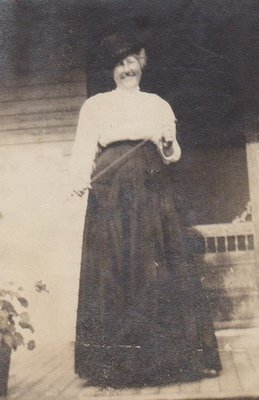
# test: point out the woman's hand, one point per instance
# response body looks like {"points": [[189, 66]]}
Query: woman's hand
{"points": [[168, 134], [80, 192], [170, 151], [167, 147]]}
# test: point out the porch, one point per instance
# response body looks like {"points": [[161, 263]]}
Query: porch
{"points": [[47, 373], [39, 224]]}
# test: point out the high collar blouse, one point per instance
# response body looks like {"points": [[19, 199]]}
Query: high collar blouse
{"points": [[114, 116]]}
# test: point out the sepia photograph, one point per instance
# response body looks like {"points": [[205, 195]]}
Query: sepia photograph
{"points": [[129, 206]]}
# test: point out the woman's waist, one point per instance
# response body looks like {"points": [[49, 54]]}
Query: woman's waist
{"points": [[121, 143], [127, 154], [122, 134], [127, 147]]}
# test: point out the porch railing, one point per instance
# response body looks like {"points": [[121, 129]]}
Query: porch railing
{"points": [[225, 255]]}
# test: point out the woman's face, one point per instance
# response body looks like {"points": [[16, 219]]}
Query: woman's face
{"points": [[127, 73]]}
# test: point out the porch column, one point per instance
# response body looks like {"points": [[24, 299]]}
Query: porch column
{"points": [[252, 152]]}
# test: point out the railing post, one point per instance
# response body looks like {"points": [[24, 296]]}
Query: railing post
{"points": [[252, 153]]}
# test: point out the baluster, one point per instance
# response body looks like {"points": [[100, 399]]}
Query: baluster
{"points": [[246, 242], [236, 244], [216, 244], [206, 244]]}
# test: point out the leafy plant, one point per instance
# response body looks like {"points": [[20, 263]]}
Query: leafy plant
{"points": [[13, 318]]}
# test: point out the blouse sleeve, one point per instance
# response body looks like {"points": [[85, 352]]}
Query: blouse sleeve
{"points": [[168, 132], [168, 122], [85, 147]]}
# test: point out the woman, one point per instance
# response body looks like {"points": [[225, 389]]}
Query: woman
{"points": [[142, 318]]}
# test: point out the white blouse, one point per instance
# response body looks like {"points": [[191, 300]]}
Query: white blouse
{"points": [[114, 116]]}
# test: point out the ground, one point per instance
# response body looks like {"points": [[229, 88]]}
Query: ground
{"points": [[47, 374]]}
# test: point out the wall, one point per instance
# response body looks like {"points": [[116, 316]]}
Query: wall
{"points": [[40, 226]]}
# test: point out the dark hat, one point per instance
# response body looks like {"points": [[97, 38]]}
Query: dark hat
{"points": [[117, 46]]}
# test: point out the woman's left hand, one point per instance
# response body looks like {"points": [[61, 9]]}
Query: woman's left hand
{"points": [[170, 151], [168, 134], [167, 147]]}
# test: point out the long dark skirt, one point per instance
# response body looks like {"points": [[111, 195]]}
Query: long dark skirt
{"points": [[142, 315]]}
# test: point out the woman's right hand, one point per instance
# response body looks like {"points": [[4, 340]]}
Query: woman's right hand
{"points": [[80, 192]]}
